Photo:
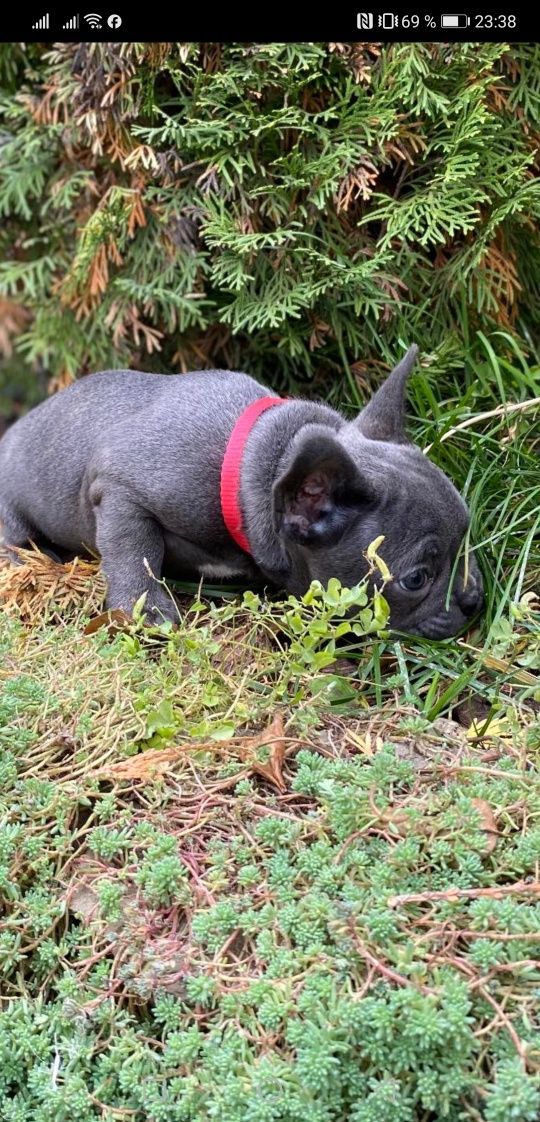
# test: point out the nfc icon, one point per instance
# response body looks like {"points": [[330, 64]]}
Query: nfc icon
{"points": [[364, 20]]}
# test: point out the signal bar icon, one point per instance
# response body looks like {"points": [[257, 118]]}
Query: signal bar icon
{"points": [[71, 24], [41, 24]]}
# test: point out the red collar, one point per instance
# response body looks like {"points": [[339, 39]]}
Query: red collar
{"points": [[232, 462]]}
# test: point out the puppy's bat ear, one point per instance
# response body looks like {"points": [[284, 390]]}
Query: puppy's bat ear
{"points": [[320, 492], [384, 416]]}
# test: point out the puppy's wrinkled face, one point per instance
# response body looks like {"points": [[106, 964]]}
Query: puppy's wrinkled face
{"points": [[340, 491]]}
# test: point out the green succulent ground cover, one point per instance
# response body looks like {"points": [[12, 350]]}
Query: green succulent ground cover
{"points": [[210, 915]]}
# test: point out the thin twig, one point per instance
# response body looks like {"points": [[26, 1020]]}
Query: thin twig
{"points": [[500, 411], [381, 968]]}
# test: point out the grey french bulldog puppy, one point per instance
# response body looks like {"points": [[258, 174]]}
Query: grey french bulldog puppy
{"points": [[128, 464]]}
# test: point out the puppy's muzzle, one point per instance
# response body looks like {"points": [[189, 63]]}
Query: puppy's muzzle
{"points": [[470, 598]]}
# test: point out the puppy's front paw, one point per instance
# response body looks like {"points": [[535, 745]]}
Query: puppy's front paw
{"points": [[157, 613], [156, 607]]}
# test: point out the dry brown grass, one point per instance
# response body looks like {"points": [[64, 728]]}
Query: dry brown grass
{"points": [[40, 587]]}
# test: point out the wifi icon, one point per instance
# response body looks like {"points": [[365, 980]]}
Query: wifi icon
{"points": [[93, 19]]}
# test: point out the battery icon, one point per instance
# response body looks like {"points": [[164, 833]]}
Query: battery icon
{"points": [[455, 21], [387, 20]]}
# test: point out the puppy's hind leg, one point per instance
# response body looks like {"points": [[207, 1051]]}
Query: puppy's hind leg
{"points": [[131, 547], [15, 530]]}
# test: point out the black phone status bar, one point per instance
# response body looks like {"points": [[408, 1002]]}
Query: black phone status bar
{"points": [[273, 24]]}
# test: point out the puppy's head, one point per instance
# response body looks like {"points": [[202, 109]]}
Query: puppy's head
{"points": [[341, 490]]}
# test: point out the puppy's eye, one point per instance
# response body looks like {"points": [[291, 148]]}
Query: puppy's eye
{"points": [[414, 580]]}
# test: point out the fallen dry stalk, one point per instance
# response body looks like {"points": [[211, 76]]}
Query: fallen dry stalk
{"points": [[521, 887]]}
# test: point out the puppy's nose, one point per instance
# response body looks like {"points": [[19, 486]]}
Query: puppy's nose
{"points": [[471, 597]]}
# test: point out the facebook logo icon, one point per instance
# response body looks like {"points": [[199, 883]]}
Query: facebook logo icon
{"points": [[114, 21]]}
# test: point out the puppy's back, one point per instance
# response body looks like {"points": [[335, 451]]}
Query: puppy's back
{"points": [[43, 456]]}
